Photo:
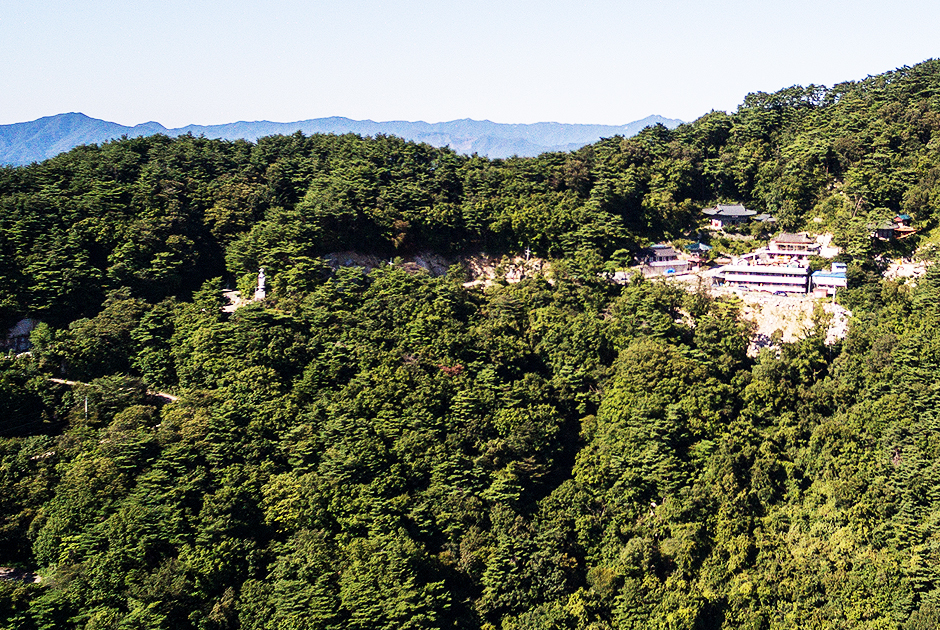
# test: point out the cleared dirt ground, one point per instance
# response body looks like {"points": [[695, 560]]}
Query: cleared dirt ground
{"points": [[791, 315]]}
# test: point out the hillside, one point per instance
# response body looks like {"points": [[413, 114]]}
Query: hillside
{"points": [[393, 448], [22, 143]]}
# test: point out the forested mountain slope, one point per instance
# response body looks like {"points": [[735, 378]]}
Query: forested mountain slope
{"points": [[391, 449]]}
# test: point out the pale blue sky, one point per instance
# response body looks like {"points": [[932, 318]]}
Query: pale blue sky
{"points": [[206, 62]]}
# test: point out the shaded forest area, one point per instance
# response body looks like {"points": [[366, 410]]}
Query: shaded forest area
{"points": [[392, 450]]}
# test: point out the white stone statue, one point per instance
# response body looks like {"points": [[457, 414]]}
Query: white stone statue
{"points": [[259, 292]]}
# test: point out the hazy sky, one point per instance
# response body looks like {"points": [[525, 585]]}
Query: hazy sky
{"points": [[206, 61]]}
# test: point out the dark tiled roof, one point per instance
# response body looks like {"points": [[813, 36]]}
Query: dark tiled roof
{"points": [[729, 210], [662, 250], [22, 328]]}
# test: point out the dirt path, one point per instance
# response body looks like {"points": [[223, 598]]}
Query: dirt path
{"points": [[18, 575], [827, 249], [150, 392]]}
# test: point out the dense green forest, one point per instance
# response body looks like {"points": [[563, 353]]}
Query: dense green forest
{"points": [[390, 449]]}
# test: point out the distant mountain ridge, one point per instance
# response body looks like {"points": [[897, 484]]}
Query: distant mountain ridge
{"points": [[22, 143]]}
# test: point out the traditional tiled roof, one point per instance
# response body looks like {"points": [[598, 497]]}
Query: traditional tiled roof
{"points": [[729, 210], [22, 328], [661, 250], [796, 239]]}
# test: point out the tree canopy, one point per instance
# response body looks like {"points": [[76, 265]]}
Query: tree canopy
{"points": [[392, 449]]}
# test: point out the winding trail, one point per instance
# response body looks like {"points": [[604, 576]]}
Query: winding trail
{"points": [[150, 392], [12, 574]]}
